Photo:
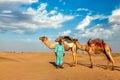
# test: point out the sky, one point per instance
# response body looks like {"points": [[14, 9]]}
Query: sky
{"points": [[22, 22]]}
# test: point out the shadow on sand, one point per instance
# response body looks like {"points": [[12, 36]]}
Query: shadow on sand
{"points": [[82, 64], [67, 63], [8, 59], [117, 68], [53, 63]]}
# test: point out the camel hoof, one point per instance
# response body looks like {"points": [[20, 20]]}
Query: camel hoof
{"points": [[113, 69], [72, 65], [91, 66]]}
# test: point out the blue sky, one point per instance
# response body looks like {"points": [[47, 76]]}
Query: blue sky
{"points": [[22, 22]]}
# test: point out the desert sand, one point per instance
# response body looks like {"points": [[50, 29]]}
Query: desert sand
{"points": [[40, 66]]}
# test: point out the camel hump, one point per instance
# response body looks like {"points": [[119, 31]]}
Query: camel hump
{"points": [[99, 41], [68, 39], [65, 38]]}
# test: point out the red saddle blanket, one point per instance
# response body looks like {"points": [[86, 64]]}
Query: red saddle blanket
{"points": [[97, 42], [100, 45]]}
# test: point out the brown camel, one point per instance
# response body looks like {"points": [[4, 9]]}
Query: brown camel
{"points": [[96, 46], [68, 45]]}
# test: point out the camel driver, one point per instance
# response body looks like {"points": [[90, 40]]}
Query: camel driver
{"points": [[59, 51]]}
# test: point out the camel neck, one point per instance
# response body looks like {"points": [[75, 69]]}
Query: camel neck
{"points": [[50, 45], [81, 47]]}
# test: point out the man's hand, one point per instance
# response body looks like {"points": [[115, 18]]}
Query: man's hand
{"points": [[55, 54], [63, 54]]}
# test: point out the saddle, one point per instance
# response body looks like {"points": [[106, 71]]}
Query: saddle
{"points": [[65, 38], [68, 39], [97, 42]]}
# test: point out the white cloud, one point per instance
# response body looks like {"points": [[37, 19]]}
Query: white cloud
{"points": [[22, 1], [46, 19], [84, 23], [65, 33], [87, 20], [82, 9], [97, 31], [100, 17], [114, 21], [53, 12], [19, 31], [6, 11], [31, 19], [115, 17], [111, 30]]}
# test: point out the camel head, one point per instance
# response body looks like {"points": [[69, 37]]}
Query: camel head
{"points": [[90, 42], [43, 38], [57, 39]]}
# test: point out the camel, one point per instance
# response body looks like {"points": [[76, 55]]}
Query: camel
{"points": [[67, 46], [95, 47]]}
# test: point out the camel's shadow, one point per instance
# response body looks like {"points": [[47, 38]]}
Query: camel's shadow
{"points": [[100, 66], [67, 63], [88, 65], [84, 64], [104, 67], [117, 68]]}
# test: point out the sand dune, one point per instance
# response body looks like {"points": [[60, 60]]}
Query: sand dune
{"points": [[40, 66]]}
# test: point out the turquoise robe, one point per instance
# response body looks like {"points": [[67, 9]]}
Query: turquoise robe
{"points": [[59, 49]]}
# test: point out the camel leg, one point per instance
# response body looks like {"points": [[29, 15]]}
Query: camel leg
{"points": [[74, 60], [109, 57], [75, 52], [72, 64], [91, 62], [108, 62], [74, 56], [112, 61], [113, 66], [90, 52]]}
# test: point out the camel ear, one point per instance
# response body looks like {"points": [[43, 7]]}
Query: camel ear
{"points": [[57, 40], [41, 38]]}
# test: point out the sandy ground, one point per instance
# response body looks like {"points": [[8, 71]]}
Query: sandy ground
{"points": [[40, 66]]}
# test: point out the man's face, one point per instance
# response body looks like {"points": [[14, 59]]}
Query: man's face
{"points": [[60, 42]]}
